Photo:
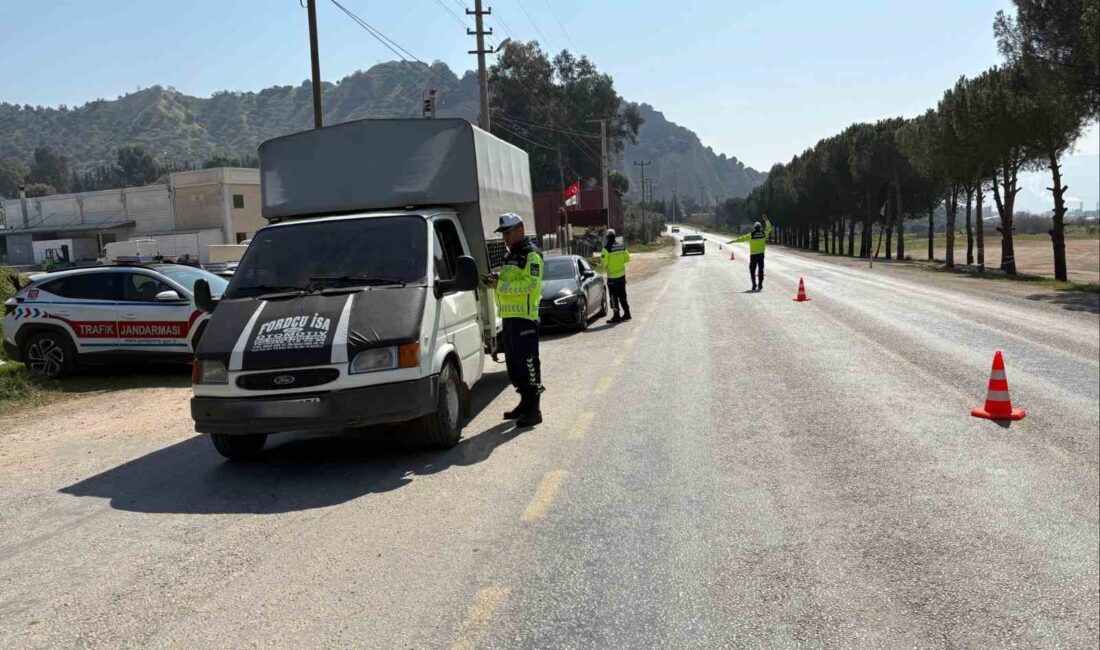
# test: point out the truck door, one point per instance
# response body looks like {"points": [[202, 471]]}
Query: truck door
{"points": [[460, 320]]}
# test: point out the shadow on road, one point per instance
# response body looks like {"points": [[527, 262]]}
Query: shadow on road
{"points": [[296, 471], [1071, 300]]}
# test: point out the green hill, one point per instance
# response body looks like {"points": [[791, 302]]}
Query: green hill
{"points": [[181, 128]]}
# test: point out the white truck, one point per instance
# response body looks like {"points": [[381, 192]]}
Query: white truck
{"points": [[131, 250], [361, 303]]}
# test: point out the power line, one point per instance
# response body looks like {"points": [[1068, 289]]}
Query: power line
{"points": [[558, 20], [451, 12], [505, 116], [533, 23], [377, 34]]}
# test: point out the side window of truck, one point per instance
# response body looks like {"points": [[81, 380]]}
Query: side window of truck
{"points": [[442, 269], [447, 239]]}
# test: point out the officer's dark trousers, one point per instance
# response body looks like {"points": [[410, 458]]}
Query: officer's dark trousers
{"points": [[756, 268], [617, 289], [521, 354]]}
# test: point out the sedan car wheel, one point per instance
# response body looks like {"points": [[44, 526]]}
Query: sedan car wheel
{"points": [[581, 317]]}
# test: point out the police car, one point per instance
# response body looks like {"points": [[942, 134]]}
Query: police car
{"points": [[139, 312]]}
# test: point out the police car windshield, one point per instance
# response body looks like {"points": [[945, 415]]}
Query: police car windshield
{"points": [[189, 275], [558, 268], [293, 256]]}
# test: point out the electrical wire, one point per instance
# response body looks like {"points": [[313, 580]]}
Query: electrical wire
{"points": [[391, 44], [558, 20], [533, 23]]}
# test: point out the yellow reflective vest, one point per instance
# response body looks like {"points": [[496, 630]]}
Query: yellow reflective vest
{"points": [[519, 283], [613, 261], [757, 239]]}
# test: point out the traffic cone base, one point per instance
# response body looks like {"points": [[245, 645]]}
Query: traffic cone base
{"points": [[801, 297], [998, 405], [1013, 414]]}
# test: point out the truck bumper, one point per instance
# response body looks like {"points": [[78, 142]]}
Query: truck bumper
{"points": [[357, 407]]}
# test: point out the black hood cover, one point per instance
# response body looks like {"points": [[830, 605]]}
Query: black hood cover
{"points": [[310, 330]]}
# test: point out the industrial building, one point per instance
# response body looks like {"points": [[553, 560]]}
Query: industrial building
{"points": [[193, 210]]}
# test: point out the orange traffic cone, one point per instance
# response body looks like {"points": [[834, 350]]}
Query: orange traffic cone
{"points": [[801, 297], [732, 257], [998, 406]]}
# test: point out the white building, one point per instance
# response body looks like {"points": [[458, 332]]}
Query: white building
{"points": [[192, 211]]}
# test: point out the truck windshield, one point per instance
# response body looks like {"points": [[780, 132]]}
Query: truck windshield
{"points": [[310, 255]]}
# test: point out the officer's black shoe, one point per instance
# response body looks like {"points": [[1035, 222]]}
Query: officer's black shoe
{"points": [[521, 408], [627, 316], [615, 319], [533, 415]]}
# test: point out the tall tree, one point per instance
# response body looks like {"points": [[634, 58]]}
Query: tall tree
{"points": [[1049, 44], [12, 175], [1062, 36], [49, 168], [135, 167], [543, 105]]}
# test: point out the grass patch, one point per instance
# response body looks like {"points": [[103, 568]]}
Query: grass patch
{"points": [[19, 389], [664, 242], [1036, 280]]}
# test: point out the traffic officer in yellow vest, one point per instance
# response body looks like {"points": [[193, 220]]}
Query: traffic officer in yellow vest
{"points": [[518, 293], [757, 243], [614, 258]]}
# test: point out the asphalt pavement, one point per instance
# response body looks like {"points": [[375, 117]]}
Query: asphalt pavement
{"points": [[729, 469]]}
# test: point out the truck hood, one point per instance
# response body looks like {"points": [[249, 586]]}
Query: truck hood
{"points": [[310, 330]]}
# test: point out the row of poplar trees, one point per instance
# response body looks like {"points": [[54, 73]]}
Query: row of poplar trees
{"points": [[1023, 115]]}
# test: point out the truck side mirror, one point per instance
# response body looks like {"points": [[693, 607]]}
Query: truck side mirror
{"points": [[465, 279], [203, 299]]}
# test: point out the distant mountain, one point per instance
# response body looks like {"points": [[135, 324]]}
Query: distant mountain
{"points": [[681, 164], [183, 128]]}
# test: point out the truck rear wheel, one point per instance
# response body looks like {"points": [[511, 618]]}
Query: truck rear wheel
{"points": [[442, 429], [239, 447]]}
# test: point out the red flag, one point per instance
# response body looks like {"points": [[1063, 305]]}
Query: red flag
{"points": [[572, 194]]}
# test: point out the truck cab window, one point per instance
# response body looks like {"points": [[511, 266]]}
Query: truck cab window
{"points": [[447, 235], [443, 269]]}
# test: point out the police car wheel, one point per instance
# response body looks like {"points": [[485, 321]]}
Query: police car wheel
{"points": [[49, 355], [241, 447], [580, 319], [443, 428], [603, 305]]}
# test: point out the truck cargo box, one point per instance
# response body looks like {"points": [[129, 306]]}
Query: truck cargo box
{"points": [[371, 165]]}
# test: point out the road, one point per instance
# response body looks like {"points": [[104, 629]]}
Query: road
{"points": [[729, 469]]}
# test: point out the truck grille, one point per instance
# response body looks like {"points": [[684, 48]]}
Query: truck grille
{"points": [[285, 379]]}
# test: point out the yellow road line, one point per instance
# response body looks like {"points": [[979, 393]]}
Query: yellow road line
{"points": [[480, 615], [604, 384], [580, 427], [544, 495]]}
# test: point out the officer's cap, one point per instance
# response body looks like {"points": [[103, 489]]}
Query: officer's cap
{"points": [[509, 220]]}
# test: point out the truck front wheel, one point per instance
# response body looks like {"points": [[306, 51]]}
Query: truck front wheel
{"points": [[239, 447], [442, 429]]}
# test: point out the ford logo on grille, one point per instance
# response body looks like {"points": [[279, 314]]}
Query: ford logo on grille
{"points": [[283, 380]]}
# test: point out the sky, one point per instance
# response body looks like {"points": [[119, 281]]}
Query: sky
{"points": [[760, 80]]}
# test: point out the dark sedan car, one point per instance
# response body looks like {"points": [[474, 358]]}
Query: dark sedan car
{"points": [[693, 244], [572, 292]]}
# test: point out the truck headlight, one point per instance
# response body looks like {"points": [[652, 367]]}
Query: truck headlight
{"points": [[209, 371], [566, 299], [374, 360], [388, 358]]}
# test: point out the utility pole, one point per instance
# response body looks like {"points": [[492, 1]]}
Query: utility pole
{"points": [[717, 203], [603, 169], [315, 61], [643, 164], [564, 208], [482, 74]]}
